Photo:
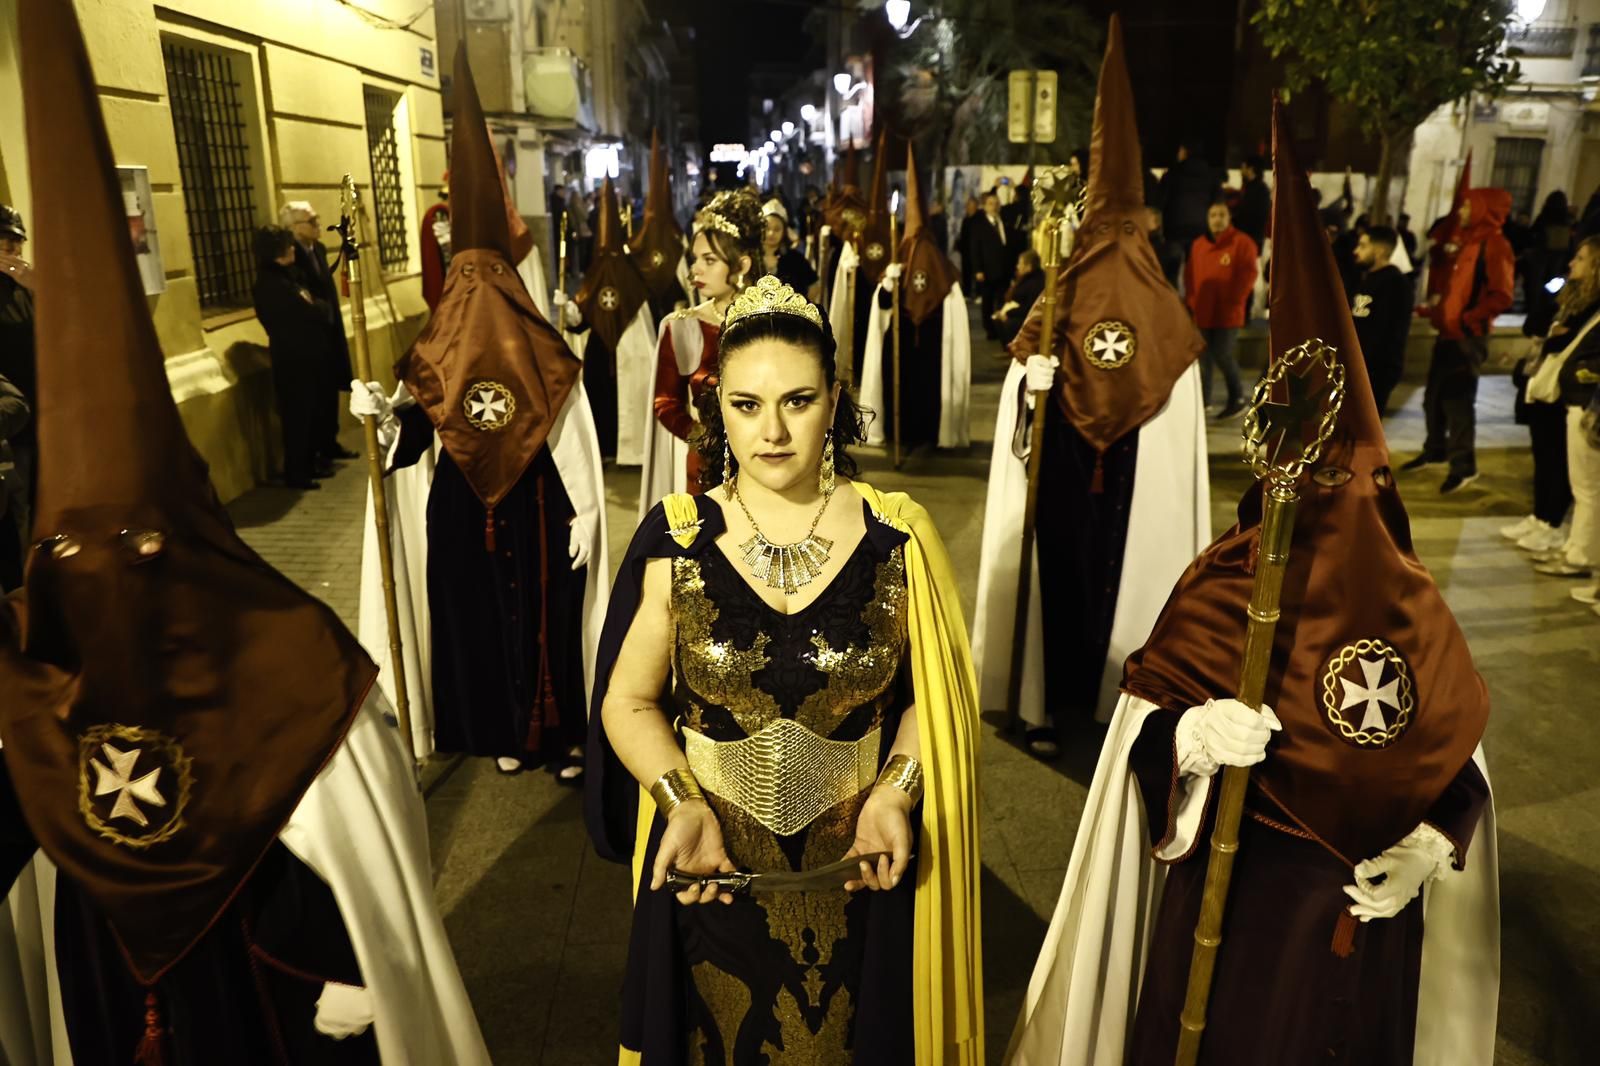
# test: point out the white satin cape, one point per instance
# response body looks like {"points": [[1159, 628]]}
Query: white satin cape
{"points": [[955, 370], [841, 316], [531, 271], [1169, 523], [575, 447], [666, 458], [1082, 999], [636, 382], [361, 828]]}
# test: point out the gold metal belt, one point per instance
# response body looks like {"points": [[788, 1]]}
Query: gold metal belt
{"points": [[785, 775]]}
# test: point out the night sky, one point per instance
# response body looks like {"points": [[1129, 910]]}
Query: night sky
{"points": [[734, 37]]}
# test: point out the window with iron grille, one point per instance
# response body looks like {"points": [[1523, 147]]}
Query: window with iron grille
{"points": [[214, 161], [1516, 169], [388, 193]]}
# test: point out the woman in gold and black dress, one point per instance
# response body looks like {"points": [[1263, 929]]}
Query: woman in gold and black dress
{"points": [[802, 632]]}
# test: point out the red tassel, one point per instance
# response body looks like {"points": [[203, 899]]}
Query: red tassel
{"points": [[488, 529], [1097, 483], [1344, 934], [149, 1052]]}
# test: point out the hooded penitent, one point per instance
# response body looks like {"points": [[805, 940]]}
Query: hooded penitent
{"points": [[168, 696], [658, 246], [613, 289], [489, 370], [1371, 676], [847, 212], [929, 274], [1123, 334], [875, 236]]}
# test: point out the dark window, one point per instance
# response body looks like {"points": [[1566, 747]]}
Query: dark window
{"points": [[1516, 169], [215, 165], [388, 194]]}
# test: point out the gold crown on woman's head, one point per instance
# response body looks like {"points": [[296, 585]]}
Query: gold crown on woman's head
{"points": [[709, 219], [769, 296]]}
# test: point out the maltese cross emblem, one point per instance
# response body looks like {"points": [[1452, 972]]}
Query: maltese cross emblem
{"points": [[657, 258], [1110, 344], [490, 406], [875, 251], [1368, 696], [610, 299], [133, 784], [919, 281]]}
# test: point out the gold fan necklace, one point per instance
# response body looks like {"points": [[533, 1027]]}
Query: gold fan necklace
{"points": [[785, 566]]}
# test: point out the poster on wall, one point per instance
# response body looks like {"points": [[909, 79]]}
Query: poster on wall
{"points": [[141, 212]]}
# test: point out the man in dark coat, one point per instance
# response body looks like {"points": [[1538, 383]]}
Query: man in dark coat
{"points": [[296, 322], [988, 244], [16, 352], [300, 218], [1252, 215], [1188, 189], [1381, 305]]}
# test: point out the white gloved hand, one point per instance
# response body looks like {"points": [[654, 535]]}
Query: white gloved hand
{"points": [[1424, 855], [1223, 733], [368, 400], [1042, 372], [582, 531], [824, 233], [559, 298], [891, 275], [343, 1011], [571, 314]]}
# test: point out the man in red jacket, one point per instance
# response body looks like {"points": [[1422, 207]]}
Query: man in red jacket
{"points": [[1218, 278], [1479, 289]]}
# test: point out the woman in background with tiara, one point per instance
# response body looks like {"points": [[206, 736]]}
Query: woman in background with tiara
{"points": [[727, 239], [778, 255], [784, 690]]}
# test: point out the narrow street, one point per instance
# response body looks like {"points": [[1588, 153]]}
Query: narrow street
{"points": [[539, 924]]}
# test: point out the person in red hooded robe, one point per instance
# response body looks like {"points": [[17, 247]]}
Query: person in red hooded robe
{"points": [[1362, 923]]}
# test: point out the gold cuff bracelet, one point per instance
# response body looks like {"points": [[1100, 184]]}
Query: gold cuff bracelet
{"points": [[905, 773], [674, 788]]}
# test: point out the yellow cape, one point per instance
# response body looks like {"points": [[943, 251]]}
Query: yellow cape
{"points": [[947, 957]]}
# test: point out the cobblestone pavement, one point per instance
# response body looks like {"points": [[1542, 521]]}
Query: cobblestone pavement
{"points": [[539, 924]]}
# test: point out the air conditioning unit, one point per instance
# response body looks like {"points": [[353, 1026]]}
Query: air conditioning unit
{"points": [[557, 88]]}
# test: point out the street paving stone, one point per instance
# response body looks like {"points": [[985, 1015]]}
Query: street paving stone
{"points": [[539, 923]]}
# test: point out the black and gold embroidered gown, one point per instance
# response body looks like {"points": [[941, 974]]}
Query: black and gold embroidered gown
{"points": [[786, 721]]}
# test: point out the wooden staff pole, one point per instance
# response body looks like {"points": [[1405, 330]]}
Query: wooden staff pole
{"points": [[375, 461], [847, 359], [561, 255], [1277, 530], [1055, 230]]}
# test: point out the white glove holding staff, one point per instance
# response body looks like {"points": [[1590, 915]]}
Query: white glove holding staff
{"points": [[891, 274], [1042, 372], [1223, 733], [368, 400], [569, 313], [1424, 855]]}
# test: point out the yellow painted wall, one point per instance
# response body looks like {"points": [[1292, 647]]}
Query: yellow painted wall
{"points": [[305, 62]]}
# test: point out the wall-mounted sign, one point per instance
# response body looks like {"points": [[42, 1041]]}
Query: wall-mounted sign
{"points": [[728, 153], [427, 62], [1530, 114], [141, 213]]}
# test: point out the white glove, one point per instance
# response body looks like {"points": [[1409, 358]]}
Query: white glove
{"points": [[578, 542], [891, 274], [571, 313], [1223, 733], [559, 298], [343, 1011], [1424, 855], [824, 233], [368, 400], [1042, 372]]}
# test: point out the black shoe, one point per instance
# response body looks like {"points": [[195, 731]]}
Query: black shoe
{"points": [[1042, 743], [1420, 461], [301, 484], [345, 454], [1233, 408], [1456, 482], [324, 469]]}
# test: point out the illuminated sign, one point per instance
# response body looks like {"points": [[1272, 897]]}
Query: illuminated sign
{"points": [[728, 153]]}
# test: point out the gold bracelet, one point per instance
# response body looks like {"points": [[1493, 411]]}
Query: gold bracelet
{"points": [[905, 773], [675, 788]]}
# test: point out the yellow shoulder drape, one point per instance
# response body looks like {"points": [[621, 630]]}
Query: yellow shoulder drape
{"points": [[947, 954]]}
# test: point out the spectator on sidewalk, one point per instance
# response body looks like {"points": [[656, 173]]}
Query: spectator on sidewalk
{"points": [[1020, 298], [1168, 251], [1579, 376], [15, 416], [311, 257], [1255, 200], [1217, 281], [1381, 305], [17, 354], [1188, 189], [1479, 289], [990, 264], [1408, 239], [297, 336], [966, 240], [1544, 256]]}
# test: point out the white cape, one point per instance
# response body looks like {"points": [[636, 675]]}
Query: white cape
{"points": [[955, 367], [362, 829], [1169, 523], [636, 382], [666, 458], [575, 447], [1083, 997], [531, 271], [841, 316]]}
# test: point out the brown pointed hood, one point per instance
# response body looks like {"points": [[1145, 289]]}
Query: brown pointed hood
{"points": [[875, 237], [1371, 675], [847, 214], [658, 246], [167, 696], [490, 371], [1123, 333], [613, 288], [929, 274]]}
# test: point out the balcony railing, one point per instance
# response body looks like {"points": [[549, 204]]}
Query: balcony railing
{"points": [[1544, 42], [1591, 60]]}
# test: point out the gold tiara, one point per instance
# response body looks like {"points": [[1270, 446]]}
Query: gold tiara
{"points": [[711, 220], [769, 296]]}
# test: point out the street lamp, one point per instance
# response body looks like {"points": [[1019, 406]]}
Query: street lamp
{"points": [[899, 12], [777, 135], [808, 113], [788, 129], [842, 83], [1530, 10]]}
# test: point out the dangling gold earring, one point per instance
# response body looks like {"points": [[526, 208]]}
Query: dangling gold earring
{"points": [[727, 471], [738, 282], [825, 480]]}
